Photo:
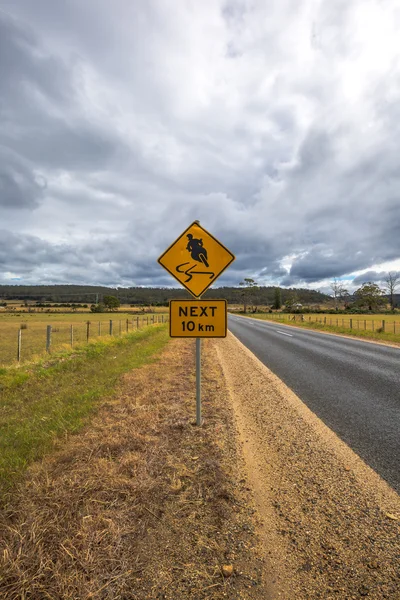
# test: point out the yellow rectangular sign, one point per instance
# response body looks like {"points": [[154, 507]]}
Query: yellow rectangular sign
{"points": [[198, 318], [196, 259]]}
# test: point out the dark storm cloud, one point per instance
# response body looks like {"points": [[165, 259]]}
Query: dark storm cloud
{"points": [[26, 69], [374, 276], [39, 131], [80, 147], [19, 252], [19, 187], [317, 265]]}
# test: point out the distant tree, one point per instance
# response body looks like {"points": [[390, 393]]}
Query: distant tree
{"points": [[369, 295], [346, 298], [392, 281], [249, 288], [291, 300], [339, 291], [98, 308], [111, 302], [277, 298]]}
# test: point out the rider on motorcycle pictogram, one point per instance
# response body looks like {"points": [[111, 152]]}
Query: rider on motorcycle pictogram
{"points": [[196, 249]]}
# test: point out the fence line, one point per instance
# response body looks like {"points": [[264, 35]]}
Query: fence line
{"points": [[33, 339], [378, 325]]}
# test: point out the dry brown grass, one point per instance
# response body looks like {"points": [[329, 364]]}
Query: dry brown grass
{"points": [[142, 504]]}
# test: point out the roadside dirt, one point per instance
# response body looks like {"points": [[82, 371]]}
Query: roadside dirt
{"points": [[142, 504], [263, 502], [337, 522]]}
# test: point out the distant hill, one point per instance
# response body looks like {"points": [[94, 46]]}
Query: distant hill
{"points": [[141, 295]]}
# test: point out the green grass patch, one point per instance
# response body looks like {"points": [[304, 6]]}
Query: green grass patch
{"points": [[357, 329], [41, 402]]}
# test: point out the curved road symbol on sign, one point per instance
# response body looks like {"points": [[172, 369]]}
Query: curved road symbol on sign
{"points": [[189, 272]]}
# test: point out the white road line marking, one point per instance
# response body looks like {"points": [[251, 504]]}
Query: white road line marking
{"points": [[283, 333]]}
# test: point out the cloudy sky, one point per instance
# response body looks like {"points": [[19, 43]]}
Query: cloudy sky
{"points": [[276, 123]]}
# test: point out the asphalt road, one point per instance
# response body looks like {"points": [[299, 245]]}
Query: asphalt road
{"points": [[353, 386]]}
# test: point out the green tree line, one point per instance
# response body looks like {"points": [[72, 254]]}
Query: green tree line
{"points": [[262, 295]]}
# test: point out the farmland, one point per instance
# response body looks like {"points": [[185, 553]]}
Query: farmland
{"points": [[67, 330]]}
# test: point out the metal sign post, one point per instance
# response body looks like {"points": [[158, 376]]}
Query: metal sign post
{"points": [[196, 259], [198, 382]]}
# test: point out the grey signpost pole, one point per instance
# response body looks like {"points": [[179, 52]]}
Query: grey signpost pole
{"points": [[198, 378], [198, 382]]}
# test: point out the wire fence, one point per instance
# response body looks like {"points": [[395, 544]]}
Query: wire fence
{"points": [[27, 342], [356, 323]]}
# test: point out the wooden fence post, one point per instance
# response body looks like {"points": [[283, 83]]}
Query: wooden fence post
{"points": [[48, 338], [99, 328], [19, 344], [351, 323], [87, 331], [111, 327], [383, 325], [127, 325]]}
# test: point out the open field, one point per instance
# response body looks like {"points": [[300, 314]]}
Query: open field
{"points": [[68, 329], [18, 306], [384, 327]]}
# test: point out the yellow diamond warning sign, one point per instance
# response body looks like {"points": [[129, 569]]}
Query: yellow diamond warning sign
{"points": [[196, 259], [198, 318]]}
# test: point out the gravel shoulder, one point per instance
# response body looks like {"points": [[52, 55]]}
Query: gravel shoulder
{"points": [[329, 523]]}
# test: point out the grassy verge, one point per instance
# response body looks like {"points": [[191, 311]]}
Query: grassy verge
{"points": [[141, 504], [42, 402], [382, 336]]}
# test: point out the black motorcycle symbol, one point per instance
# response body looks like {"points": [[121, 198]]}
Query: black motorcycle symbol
{"points": [[196, 249]]}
